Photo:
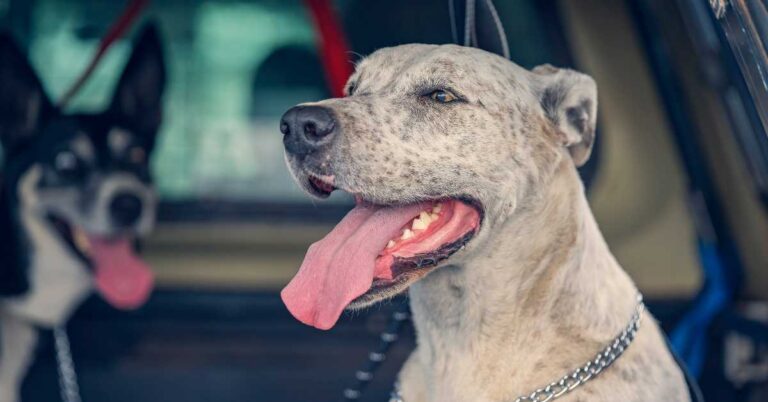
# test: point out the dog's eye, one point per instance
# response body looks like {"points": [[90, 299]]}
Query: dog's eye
{"points": [[443, 96], [351, 89]]}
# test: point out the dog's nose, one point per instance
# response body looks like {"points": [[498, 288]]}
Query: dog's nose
{"points": [[306, 128], [125, 209]]}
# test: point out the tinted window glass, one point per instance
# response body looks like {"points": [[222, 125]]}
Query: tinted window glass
{"points": [[234, 68]]}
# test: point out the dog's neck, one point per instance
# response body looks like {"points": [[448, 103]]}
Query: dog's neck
{"points": [[59, 281], [527, 306]]}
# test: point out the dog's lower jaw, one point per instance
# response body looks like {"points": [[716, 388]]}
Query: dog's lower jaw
{"points": [[539, 299]]}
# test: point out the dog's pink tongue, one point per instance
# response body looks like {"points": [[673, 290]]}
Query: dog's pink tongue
{"points": [[121, 277], [340, 267]]}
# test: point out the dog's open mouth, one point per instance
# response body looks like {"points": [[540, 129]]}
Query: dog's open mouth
{"points": [[120, 276], [376, 252]]}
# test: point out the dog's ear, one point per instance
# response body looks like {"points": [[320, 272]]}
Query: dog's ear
{"points": [[23, 102], [569, 99], [138, 97]]}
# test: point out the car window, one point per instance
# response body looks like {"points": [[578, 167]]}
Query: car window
{"points": [[744, 25], [234, 68]]}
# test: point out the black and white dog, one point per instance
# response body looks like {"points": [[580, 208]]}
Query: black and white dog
{"points": [[76, 193]]}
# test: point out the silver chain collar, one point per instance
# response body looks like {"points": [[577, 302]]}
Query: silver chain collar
{"points": [[70, 391], [583, 374]]}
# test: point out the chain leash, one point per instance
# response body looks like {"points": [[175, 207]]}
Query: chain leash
{"points": [[68, 387], [390, 335]]}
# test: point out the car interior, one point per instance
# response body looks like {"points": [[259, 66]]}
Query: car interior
{"points": [[677, 183]]}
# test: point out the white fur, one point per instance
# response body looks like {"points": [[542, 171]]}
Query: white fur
{"points": [[536, 293], [17, 344], [59, 283], [540, 298]]}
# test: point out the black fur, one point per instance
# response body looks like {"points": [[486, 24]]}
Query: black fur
{"points": [[18, 85]]}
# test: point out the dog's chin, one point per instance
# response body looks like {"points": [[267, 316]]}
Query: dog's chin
{"points": [[408, 269]]}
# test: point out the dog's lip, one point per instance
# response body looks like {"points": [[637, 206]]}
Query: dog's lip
{"points": [[471, 201], [315, 182], [411, 269], [320, 185], [77, 237]]}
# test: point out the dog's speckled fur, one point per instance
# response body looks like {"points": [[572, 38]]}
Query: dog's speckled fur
{"points": [[537, 292]]}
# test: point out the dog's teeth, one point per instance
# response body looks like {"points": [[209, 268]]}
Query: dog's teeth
{"points": [[407, 234], [419, 224], [434, 217], [426, 217], [391, 244], [422, 222], [436, 209]]}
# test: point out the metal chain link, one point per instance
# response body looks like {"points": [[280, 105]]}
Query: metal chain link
{"points": [[583, 374], [390, 335], [68, 387], [395, 396]]}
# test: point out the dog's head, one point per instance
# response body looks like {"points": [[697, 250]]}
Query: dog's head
{"points": [[85, 175], [439, 144]]}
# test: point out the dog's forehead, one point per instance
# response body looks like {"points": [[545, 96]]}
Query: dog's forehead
{"points": [[449, 64], [91, 140]]}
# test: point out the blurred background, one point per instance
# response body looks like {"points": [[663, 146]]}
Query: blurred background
{"points": [[678, 183]]}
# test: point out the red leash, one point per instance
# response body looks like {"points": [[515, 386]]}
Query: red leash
{"points": [[116, 31], [333, 47]]}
